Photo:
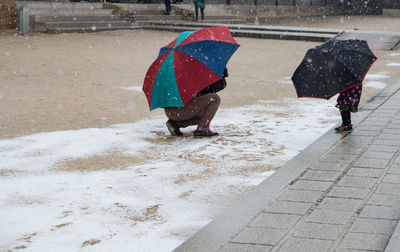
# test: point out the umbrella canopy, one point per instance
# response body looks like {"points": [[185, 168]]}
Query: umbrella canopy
{"points": [[187, 65], [332, 67]]}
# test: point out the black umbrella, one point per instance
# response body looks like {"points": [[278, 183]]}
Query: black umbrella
{"points": [[332, 67]]}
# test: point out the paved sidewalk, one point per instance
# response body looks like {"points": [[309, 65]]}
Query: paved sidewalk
{"points": [[342, 193]]}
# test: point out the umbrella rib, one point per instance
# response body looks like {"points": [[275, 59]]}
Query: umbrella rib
{"points": [[341, 62]]}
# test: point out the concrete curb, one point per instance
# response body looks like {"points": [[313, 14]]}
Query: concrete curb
{"points": [[225, 226], [394, 242]]}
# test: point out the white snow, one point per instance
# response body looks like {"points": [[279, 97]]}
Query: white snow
{"points": [[394, 54], [372, 80], [171, 188], [133, 88], [375, 84], [377, 76], [286, 80], [393, 64]]}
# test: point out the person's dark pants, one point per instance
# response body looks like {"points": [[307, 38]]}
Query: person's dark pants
{"points": [[346, 118], [167, 6], [200, 111], [196, 11]]}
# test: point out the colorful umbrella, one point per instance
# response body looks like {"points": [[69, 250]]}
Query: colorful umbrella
{"points": [[187, 65], [332, 67]]}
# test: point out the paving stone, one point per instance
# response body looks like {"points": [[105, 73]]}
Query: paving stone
{"points": [[305, 245], [393, 126], [346, 149], [381, 212], [275, 220], [337, 158], [256, 235], [348, 192], [340, 204], [321, 175], [329, 217], [235, 247], [360, 132], [380, 117], [321, 166], [373, 226], [385, 111], [347, 250], [365, 172], [384, 200], [361, 182], [388, 106], [392, 131], [372, 163], [318, 231], [386, 148], [394, 169], [364, 241], [389, 136], [392, 178], [371, 122], [397, 161], [311, 185], [357, 141], [368, 128], [288, 207], [301, 196], [387, 142], [387, 188], [378, 155]]}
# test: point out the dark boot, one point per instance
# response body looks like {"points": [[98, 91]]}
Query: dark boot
{"points": [[204, 133], [344, 129], [173, 128]]}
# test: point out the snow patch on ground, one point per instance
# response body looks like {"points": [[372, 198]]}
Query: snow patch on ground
{"points": [[377, 76], [133, 88], [375, 84], [393, 64], [52, 195], [286, 80]]}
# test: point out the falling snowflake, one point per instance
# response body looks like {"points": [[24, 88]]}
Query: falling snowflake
{"points": [[60, 106]]}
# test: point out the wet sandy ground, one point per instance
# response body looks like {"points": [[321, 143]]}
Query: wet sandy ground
{"points": [[74, 81]]}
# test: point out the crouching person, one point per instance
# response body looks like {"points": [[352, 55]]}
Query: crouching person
{"points": [[200, 111]]}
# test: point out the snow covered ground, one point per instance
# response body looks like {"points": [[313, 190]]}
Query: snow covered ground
{"points": [[157, 190]]}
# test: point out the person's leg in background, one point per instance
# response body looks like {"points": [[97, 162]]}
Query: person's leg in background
{"points": [[202, 14], [196, 13], [167, 7]]}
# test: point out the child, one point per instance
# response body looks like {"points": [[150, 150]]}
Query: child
{"points": [[347, 102]]}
